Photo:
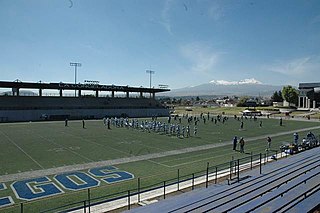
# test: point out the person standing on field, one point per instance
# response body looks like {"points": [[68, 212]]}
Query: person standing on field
{"points": [[83, 124], [235, 142], [108, 123], [241, 145], [188, 131], [295, 138], [269, 143]]}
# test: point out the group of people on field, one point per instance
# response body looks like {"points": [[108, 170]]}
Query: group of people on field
{"points": [[174, 127], [66, 121], [167, 128], [241, 142]]}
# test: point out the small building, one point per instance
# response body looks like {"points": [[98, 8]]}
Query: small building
{"points": [[309, 96], [277, 104], [248, 112]]}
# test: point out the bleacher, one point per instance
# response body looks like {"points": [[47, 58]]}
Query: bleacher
{"points": [[287, 185], [35, 102], [34, 108]]}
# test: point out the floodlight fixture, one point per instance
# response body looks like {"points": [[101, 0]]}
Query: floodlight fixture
{"points": [[151, 72], [75, 65]]}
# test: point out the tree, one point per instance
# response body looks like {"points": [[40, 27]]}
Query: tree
{"points": [[290, 94], [280, 96], [242, 101], [277, 97]]}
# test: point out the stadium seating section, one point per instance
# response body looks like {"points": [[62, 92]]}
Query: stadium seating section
{"points": [[288, 185], [32, 108]]}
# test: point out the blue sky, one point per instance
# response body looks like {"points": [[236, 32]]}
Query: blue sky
{"points": [[186, 42]]}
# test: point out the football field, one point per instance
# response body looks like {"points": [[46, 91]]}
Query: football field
{"points": [[45, 149]]}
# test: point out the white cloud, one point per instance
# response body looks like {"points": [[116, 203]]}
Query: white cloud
{"points": [[165, 20], [202, 58], [299, 66], [244, 81], [215, 11]]}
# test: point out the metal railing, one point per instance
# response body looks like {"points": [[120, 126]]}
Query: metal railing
{"points": [[211, 174]]}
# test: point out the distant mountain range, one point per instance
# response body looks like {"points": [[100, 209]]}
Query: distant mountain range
{"points": [[250, 87]]}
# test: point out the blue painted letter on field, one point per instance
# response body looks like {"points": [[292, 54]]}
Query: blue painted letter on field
{"points": [[80, 181], [112, 174], [35, 188], [5, 201]]}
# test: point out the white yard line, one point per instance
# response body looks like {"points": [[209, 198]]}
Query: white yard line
{"points": [[164, 163], [11, 141], [51, 141], [195, 161], [70, 168], [84, 139], [161, 164]]}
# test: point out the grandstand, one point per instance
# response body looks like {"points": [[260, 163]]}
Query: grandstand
{"points": [[309, 96], [32, 108], [288, 185]]}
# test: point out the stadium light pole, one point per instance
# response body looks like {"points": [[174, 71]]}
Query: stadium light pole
{"points": [[75, 65], [150, 72]]}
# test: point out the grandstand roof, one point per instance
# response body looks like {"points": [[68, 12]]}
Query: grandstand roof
{"points": [[70, 86], [308, 85]]}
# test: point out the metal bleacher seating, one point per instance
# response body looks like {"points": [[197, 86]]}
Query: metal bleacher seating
{"points": [[287, 185], [34, 102]]}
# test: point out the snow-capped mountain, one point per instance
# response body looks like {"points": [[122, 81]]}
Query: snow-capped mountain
{"points": [[250, 87], [245, 81]]}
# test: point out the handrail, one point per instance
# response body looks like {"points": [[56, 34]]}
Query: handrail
{"points": [[261, 204], [235, 206], [53, 209], [260, 177], [184, 178], [305, 195]]}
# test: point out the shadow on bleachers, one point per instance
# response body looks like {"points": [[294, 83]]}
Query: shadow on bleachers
{"points": [[291, 184], [52, 103]]}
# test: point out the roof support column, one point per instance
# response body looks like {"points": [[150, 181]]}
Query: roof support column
{"points": [[141, 95], [127, 94], [60, 92], [153, 95], [112, 94], [97, 93], [79, 93], [40, 92]]}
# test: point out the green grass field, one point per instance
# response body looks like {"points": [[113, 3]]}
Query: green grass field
{"points": [[44, 145]]}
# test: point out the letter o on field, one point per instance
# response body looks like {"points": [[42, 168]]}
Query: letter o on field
{"points": [[76, 181]]}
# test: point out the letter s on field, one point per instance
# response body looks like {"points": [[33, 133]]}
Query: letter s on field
{"points": [[111, 174]]}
